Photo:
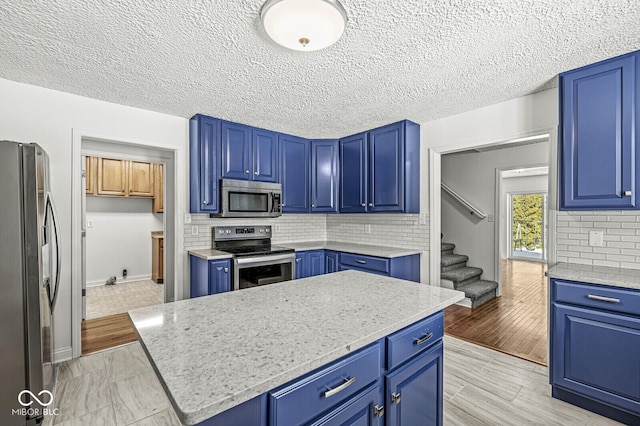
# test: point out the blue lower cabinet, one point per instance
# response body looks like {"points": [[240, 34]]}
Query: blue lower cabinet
{"points": [[209, 276], [309, 263], [366, 409], [331, 261], [413, 391], [595, 342], [403, 267]]}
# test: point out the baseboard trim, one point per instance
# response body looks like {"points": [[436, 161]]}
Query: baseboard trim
{"points": [[61, 355], [120, 280], [466, 302]]}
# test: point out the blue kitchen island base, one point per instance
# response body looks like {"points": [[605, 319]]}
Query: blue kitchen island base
{"points": [[332, 349]]}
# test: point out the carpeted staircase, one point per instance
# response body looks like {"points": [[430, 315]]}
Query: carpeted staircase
{"points": [[453, 267]]}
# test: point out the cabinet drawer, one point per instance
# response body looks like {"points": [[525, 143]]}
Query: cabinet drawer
{"points": [[597, 296], [306, 398], [366, 262], [414, 339]]}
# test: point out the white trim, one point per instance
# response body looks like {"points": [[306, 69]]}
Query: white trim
{"points": [[63, 354], [435, 196], [120, 280], [174, 187]]}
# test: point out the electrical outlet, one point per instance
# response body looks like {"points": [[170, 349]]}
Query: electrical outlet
{"points": [[194, 230], [187, 218], [490, 218], [124, 273], [89, 224], [367, 228], [596, 238], [277, 227], [422, 219]]}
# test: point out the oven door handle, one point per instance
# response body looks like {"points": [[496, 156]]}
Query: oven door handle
{"points": [[264, 260]]}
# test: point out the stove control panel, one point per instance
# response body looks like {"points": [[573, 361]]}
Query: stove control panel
{"points": [[225, 233]]}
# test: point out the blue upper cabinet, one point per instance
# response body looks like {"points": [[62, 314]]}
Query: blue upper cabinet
{"points": [[353, 173], [204, 145], [598, 116], [294, 174], [324, 176], [265, 156], [380, 170], [237, 151]]}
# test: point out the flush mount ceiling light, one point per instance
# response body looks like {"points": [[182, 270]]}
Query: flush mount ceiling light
{"points": [[304, 25]]}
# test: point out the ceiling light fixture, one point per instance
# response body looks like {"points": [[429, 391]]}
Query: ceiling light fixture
{"points": [[304, 25]]}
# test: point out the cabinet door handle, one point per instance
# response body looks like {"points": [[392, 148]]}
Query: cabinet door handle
{"points": [[378, 410], [297, 260], [370, 204], [361, 261], [246, 171], [628, 193], [395, 398], [255, 173], [423, 339], [205, 202], [313, 205], [226, 270], [363, 205], [346, 384], [603, 298]]}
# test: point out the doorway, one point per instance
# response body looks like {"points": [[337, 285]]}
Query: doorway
{"points": [[126, 220]]}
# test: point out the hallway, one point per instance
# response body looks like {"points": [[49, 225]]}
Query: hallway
{"points": [[516, 322]]}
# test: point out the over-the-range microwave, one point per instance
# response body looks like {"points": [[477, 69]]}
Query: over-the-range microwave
{"points": [[241, 198]]}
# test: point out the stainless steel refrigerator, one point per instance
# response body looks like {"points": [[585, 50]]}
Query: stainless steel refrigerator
{"points": [[29, 281]]}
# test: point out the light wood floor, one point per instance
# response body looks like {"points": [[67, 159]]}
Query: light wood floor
{"points": [[514, 323], [106, 332]]}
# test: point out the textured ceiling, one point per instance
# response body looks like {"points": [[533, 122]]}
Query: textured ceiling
{"points": [[415, 59]]}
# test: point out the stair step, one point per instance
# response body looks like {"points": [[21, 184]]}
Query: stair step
{"points": [[447, 246], [452, 259], [462, 275], [479, 291]]}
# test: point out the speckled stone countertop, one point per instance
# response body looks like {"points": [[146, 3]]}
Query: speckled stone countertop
{"points": [[210, 254], [215, 352], [618, 277], [380, 251]]}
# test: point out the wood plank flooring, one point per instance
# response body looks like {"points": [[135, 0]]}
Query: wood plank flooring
{"points": [[514, 323], [106, 332]]}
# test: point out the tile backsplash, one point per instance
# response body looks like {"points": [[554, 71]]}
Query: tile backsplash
{"points": [[396, 230], [291, 228], [621, 238]]}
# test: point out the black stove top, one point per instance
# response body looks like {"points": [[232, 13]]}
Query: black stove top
{"points": [[259, 250]]}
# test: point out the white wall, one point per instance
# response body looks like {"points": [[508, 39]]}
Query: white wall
{"points": [[513, 185], [473, 176], [47, 117], [120, 238]]}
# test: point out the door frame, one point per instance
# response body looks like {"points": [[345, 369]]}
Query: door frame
{"points": [[435, 196], [173, 227]]}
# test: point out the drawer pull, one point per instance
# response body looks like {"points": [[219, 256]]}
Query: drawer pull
{"points": [[395, 398], [423, 339], [378, 411], [346, 384], [361, 261], [603, 299]]}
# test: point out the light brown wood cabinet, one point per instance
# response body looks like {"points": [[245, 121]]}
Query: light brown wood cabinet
{"points": [[158, 188], [90, 173], [157, 258], [140, 179], [112, 177]]}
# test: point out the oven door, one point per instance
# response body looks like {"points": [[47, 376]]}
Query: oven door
{"points": [[261, 270]]}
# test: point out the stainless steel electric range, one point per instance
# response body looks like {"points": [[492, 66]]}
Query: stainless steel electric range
{"points": [[255, 261]]}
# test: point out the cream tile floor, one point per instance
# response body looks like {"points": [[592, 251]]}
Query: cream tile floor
{"points": [[122, 297], [481, 387]]}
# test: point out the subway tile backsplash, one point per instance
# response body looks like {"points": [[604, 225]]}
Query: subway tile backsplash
{"points": [[621, 238], [395, 230]]}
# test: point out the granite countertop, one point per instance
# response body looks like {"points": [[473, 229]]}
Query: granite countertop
{"points": [[157, 234], [215, 352], [210, 254], [618, 277], [380, 251]]}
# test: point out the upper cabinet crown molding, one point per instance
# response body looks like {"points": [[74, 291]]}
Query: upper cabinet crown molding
{"points": [[598, 146]]}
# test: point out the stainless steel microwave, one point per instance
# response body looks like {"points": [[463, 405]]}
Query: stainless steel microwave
{"points": [[241, 198]]}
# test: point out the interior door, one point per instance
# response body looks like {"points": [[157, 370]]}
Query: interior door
{"points": [[83, 233]]}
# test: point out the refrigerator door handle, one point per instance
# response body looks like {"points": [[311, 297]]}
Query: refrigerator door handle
{"points": [[54, 220]]}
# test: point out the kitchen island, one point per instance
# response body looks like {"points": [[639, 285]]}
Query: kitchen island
{"points": [[228, 352]]}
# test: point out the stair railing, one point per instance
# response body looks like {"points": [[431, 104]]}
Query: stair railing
{"points": [[459, 198]]}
